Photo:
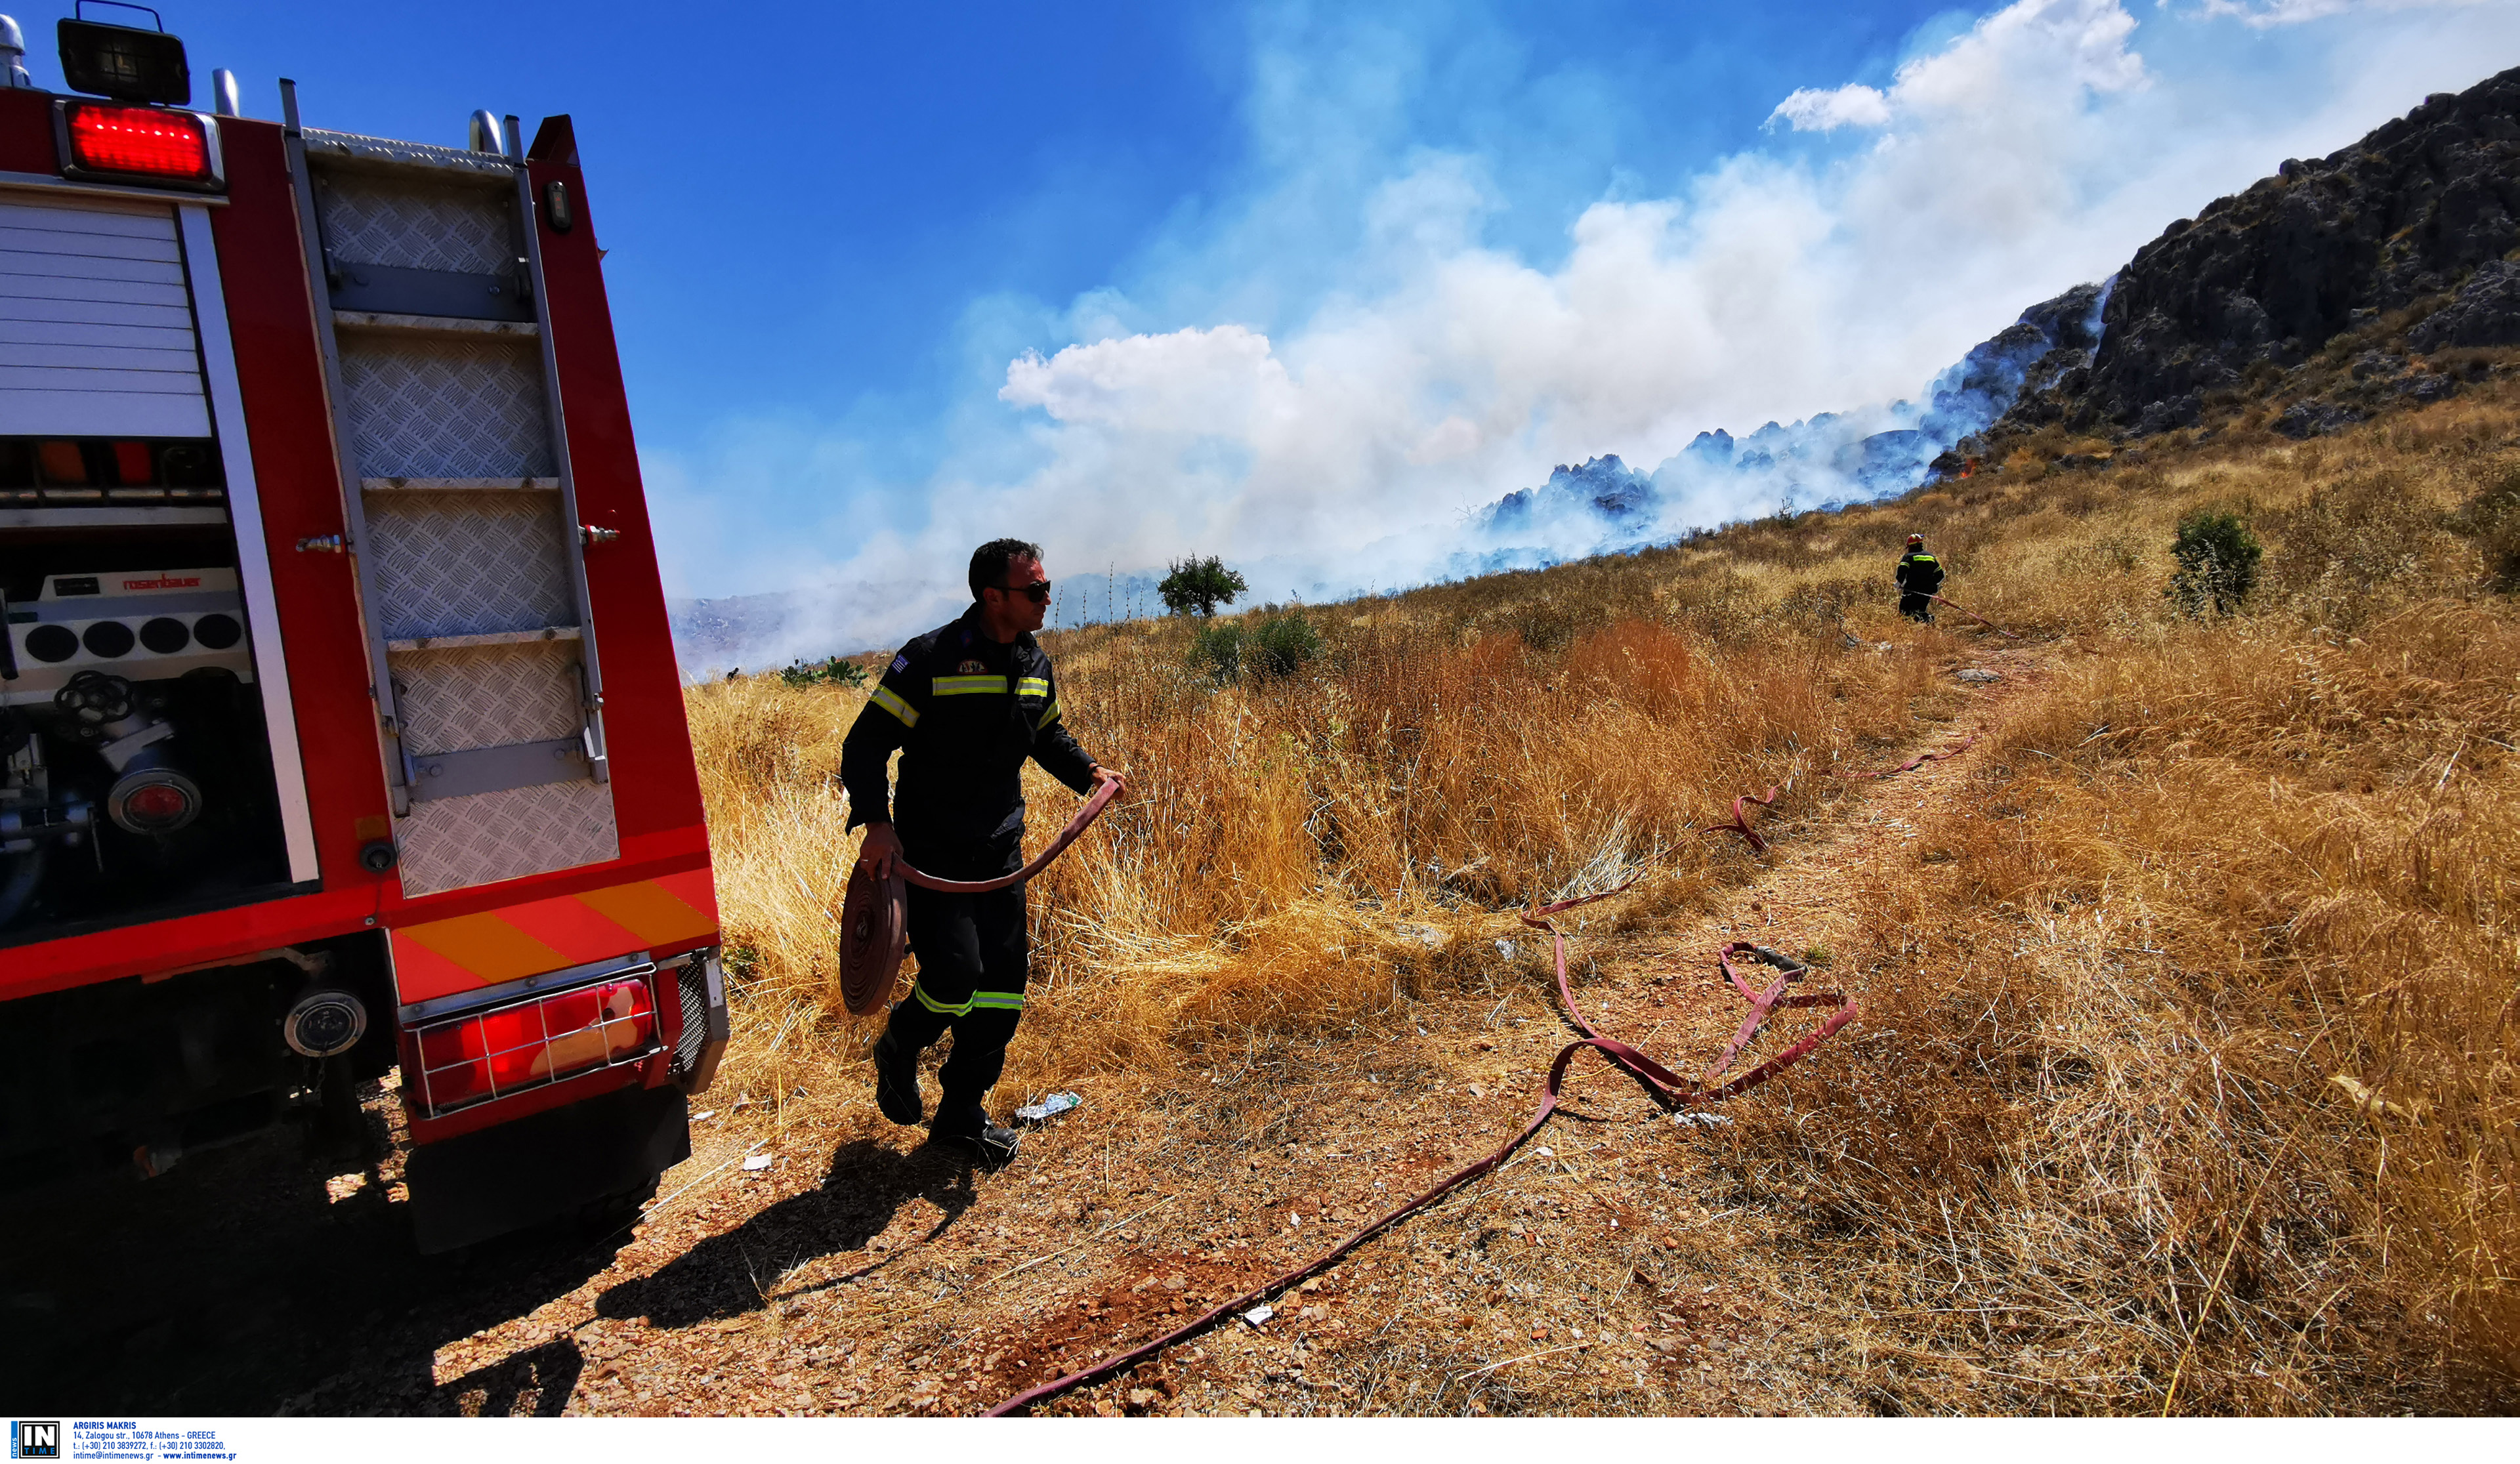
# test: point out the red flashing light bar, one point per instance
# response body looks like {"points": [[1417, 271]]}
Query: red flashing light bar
{"points": [[141, 142]]}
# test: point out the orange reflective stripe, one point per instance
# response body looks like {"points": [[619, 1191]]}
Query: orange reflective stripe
{"points": [[488, 946], [440, 958], [651, 911]]}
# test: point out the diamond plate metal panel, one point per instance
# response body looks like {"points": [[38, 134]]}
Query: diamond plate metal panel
{"points": [[455, 843], [487, 697], [690, 983], [466, 563], [446, 407], [359, 150], [417, 225]]}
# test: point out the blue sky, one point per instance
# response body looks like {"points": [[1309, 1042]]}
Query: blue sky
{"points": [[1302, 284]]}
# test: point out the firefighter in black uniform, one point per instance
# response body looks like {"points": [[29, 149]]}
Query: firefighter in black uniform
{"points": [[967, 703], [1919, 577]]}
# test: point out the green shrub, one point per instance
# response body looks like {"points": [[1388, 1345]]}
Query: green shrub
{"points": [[2217, 562], [834, 672], [1217, 649], [1283, 646], [1272, 648]]}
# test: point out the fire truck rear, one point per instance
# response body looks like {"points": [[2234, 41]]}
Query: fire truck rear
{"points": [[341, 738]]}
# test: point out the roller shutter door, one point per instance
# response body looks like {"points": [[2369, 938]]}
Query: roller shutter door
{"points": [[96, 325]]}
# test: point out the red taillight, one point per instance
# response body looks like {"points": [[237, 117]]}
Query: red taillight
{"points": [[146, 140], [517, 1047]]}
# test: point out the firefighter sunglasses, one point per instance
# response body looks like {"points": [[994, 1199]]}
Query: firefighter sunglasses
{"points": [[1038, 594]]}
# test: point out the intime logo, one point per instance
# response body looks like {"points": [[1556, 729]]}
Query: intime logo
{"points": [[34, 1439]]}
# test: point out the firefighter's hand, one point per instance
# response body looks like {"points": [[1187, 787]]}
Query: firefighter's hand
{"points": [[880, 851], [1102, 774]]}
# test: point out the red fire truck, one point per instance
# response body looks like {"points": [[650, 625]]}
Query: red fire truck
{"points": [[340, 737]]}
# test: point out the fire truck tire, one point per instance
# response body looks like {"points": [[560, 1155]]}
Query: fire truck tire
{"points": [[550, 1166]]}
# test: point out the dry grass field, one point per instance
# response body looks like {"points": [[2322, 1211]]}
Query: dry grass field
{"points": [[2184, 1079]]}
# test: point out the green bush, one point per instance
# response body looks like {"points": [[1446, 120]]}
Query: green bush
{"points": [[1283, 646], [834, 672], [1274, 649], [2217, 562], [1217, 649]]}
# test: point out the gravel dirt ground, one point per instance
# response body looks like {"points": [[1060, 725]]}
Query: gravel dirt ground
{"points": [[1604, 1270]]}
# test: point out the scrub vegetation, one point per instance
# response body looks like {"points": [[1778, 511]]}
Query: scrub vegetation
{"points": [[2184, 1079]]}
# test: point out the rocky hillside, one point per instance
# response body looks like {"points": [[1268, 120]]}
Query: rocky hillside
{"points": [[2399, 239]]}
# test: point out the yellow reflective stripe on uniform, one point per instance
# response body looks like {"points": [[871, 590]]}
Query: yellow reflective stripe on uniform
{"points": [[1000, 1000], [1032, 686], [941, 1009], [970, 685], [900, 709], [1049, 715], [1923, 559]]}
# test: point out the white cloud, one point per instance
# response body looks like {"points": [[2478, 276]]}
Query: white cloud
{"points": [[2265, 13], [2079, 44], [1440, 371], [1853, 105]]}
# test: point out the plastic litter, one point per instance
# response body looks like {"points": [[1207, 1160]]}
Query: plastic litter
{"points": [[1260, 1314], [1049, 1108], [757, 1161]]}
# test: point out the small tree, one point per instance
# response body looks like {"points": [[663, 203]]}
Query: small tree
{"points": [[1198, 586], [2217, 562]]}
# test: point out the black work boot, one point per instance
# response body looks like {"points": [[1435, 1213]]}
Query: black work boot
{"points": [[897, 1081], [966, 1126]]}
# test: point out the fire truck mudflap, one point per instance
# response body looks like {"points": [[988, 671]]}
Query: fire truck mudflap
{"points": [[340, 730]]}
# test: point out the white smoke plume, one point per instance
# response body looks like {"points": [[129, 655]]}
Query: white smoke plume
{"points": [[1352, 439]]}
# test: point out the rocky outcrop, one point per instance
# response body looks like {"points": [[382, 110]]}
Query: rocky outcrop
{"points": [[2485, 312], [2263, 278], [2036, 359], [1604, 487]]}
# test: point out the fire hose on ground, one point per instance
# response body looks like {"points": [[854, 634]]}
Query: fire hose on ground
{"points": [[1668, 1087], [1740, 823], [1974, 615], [872, 940]]}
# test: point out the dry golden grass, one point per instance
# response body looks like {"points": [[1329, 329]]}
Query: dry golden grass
{"points": [[2184, 1080]]}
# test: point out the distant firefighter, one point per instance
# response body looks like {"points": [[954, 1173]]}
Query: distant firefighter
{"points": [[1919, 577]]}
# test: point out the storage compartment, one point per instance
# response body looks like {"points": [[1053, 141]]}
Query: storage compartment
{"points": [[135, 771]]}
